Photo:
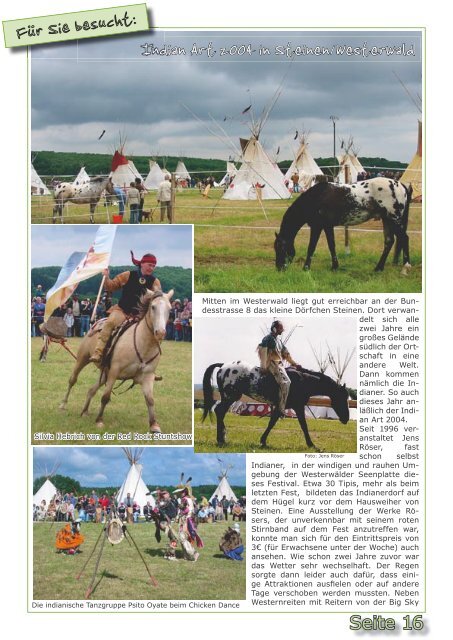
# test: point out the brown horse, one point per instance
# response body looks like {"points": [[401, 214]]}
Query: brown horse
{"points": [[135, 356], [86, 193]]}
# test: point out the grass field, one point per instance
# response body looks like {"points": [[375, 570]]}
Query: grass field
{"points": [[121, 574], [243, 435], [126, 412], [234, 247]]}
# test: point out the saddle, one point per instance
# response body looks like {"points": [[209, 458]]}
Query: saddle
{"points": [[114, 337]]}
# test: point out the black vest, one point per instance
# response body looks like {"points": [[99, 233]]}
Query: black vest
{"points": [[133, 290]]}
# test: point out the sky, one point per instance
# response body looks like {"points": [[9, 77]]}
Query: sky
{"points": [[51, 245], [226, 340], [80, 89], [108, 466]]}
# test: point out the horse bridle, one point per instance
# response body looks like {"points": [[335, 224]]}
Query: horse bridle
{"points": [[137, 353]]}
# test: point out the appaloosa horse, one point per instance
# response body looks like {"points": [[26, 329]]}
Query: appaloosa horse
{"points": [[239, 378], [326, 206], [87, 193], [135, 356]]}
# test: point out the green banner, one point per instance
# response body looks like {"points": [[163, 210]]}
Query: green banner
{"points": [[94, 23]]}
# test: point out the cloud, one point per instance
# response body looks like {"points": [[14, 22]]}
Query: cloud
{"points": [[79, 91]]}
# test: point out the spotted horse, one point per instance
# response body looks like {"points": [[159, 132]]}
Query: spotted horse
{"points": [[236, 379], [325, 206]]}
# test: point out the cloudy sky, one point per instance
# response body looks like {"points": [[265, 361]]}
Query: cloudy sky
{"points": [[51, 245], [108, 466], [80, 89], [236, 339]]}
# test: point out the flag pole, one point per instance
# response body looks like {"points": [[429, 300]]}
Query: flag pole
{"points": [[93, 315]]}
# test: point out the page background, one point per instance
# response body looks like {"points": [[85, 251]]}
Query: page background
{"points": [[14, 164]]}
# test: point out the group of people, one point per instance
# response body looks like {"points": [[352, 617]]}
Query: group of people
{"points": [[219, 509], [179, 325]]}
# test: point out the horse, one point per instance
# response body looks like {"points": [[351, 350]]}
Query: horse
{"points": [[326, 205], [239, 378], [135, 356], [87, 193]]}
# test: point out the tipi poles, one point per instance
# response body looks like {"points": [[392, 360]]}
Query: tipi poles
{"points": [[151, 577], [91, 554], [98, 559]]}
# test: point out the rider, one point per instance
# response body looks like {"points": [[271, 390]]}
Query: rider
{"points": [[272, 353], [134, 285]]}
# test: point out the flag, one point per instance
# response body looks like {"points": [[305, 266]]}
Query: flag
{"points": [[81, 266]]}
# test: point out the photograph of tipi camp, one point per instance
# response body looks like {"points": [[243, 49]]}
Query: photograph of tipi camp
{"points": [[112, 523], [276, 385], [297, 155], [111, 334]]}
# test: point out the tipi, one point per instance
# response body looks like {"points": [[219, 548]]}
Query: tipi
{"points": [[350, 166], [37, 186], [82, 177], [48, 490], [256, 169], [155, 176], [123, 170], [181, 171], [133, 482], [230, 171], [304, 164], [224, 488], [413, 173]]}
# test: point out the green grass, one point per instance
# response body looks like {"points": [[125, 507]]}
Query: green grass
{"points": [[121, 574], [125, 413], [229, 259], [243, 435]]}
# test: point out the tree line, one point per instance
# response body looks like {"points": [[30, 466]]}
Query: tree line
{"points": [[177, 278]]}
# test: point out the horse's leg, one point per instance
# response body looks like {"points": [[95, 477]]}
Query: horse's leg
{"points": [[111, 377], [402, 242], [273, 419], [315, 232], [92, 392], [220, 412], [389, 239], [79, 365], [300, 412], [92, 209], [330, 236], [148, 392]]}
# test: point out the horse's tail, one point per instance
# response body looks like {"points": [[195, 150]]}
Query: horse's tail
{"points": [[208, 391]]}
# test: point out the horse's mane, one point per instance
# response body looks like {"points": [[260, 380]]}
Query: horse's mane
{"points": [[98, 179], [146, 300], [322, 377]]}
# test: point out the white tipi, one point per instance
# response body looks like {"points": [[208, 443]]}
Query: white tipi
{"points": [[37, 186], [155, 176], [304, 165], [81, 178], [48, 490], [257, 177], [181, 171], [413, 173], [224, 488], [133, 482], [350, 166], [230, 171]]}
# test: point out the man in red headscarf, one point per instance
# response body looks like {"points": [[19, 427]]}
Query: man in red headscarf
{"points": [[134, 284]]}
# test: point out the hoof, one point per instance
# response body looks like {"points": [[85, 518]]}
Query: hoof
{"points": [[406, 269], [263, 445], [100, 424], [154, 428], [62, 406], [158, 378], [84, 414], [306, 267]]}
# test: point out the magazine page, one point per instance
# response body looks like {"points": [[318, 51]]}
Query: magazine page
{"points": [[222, 247]]}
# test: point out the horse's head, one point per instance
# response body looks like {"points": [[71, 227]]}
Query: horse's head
{"points": [[109, 186], [156, 306], [284, 252], [340, 404]]}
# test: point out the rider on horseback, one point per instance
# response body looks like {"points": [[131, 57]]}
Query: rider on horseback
{"points": [[134, 285], [273, 353]]}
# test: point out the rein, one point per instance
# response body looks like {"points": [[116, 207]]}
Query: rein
{"points": [[137, 353]]}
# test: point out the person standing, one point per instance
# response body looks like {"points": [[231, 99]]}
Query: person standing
{"points": [[142, 191], [133, 198], [164, 197]]}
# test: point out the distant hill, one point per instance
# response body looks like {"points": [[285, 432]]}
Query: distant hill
{"points": [[175, 278]]}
